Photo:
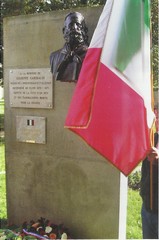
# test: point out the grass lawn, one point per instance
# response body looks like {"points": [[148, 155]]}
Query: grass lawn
{"points": [[3, 212], [134, 226]]}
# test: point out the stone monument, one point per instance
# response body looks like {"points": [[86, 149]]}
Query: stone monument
{"points": [[50, 172]]}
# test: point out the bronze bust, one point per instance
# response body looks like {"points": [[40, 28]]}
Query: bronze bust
{"points": [[66, 62]]}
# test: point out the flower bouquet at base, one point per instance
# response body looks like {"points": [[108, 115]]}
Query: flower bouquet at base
{"points": [[40, 229]]}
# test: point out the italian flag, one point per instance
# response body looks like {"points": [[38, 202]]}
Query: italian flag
{"points": [[111, 108]]}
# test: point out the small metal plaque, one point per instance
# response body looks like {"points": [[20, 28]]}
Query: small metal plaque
{"points": [[31, 129], [31, 88]]}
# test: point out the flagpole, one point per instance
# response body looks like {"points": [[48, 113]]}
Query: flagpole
{"points": [[151, 180], [152, 104]]}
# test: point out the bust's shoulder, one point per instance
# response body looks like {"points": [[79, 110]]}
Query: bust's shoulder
{"points": [[58, 52]]}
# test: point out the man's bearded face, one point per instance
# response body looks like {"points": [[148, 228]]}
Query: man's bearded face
{"points": [[74, 30]]}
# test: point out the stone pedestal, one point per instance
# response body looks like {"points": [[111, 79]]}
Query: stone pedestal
{"points": [[62, 178]]}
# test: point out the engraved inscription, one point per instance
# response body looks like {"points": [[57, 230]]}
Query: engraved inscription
{"points": [[31, 88]]}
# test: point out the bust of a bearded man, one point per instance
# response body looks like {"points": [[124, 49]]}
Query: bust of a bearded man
{"points": [[66, 62]]}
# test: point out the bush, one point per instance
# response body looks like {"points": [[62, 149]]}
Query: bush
{"points": [[134, 180]]}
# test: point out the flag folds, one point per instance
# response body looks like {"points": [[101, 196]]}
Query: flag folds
{"points": [[111, 108]]}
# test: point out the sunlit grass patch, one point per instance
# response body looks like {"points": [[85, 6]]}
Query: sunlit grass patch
{"points": [[134, 226]]}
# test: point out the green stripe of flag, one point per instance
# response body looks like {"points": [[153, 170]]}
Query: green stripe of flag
{"points": [[147, 12], [130, 35]]}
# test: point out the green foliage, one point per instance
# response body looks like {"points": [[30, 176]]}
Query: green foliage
{"points": [[134, 180], [17, 7], [154, 23]]}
